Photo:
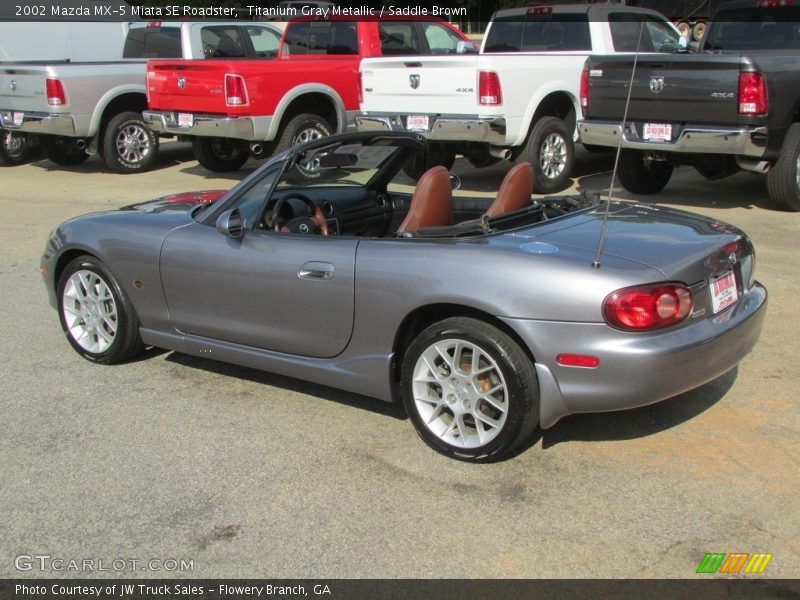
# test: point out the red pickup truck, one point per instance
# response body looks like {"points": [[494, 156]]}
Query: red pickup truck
{"points": [[232, 108]]}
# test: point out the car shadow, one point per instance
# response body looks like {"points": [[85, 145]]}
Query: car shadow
{"points": [[198, 170], [389, 409], [171, 154]]}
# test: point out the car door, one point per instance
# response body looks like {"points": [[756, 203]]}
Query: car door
{"points": [[283, 292]]}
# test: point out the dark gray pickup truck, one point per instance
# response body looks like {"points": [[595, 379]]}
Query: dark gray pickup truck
{"points": [[734, 104]]}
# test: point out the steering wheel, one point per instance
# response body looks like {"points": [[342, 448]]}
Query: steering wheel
{"points": [[312, 224]]}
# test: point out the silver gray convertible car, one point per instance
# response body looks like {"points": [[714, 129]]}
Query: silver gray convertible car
{"points": [[487, 317]]}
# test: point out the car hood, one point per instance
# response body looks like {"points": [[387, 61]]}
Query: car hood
{"points": [[682, 245]]}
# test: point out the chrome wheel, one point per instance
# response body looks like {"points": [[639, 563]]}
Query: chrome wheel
{"points": [[15, 145], [89, 311], [133, 143], [797, 174], [553, 156], [307, 135], [460, 393]]}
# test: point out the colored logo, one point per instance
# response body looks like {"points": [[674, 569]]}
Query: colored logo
{"points": [[737, 562]]}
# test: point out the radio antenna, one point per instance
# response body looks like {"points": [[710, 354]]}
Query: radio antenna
{"points": [[602, 240]]}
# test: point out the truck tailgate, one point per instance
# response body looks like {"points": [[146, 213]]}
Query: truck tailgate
{"points": [[681, 88], [187, 85], [23, 88], [415, 84]]}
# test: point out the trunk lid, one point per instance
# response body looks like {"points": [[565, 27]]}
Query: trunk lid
{"points": [[22, 87]]}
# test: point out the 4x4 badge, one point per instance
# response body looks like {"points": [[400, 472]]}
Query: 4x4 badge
{"points": [[413, 81], [656, 84]]}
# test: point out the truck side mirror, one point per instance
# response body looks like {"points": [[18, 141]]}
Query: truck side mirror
{"points": [[683, 43]]}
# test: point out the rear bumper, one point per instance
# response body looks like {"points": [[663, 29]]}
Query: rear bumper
{"points": [[253, 129], [35, 122], [741, 141], [637, 369], [489, 130]]}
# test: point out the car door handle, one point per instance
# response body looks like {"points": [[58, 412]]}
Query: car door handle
{"points": [[316, 270]]}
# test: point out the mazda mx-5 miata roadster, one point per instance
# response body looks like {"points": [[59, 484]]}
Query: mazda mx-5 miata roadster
{"points": [[487, 317]]}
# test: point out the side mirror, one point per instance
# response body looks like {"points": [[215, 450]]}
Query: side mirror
{"points": [[683, 43], [229, 223], [464, 47]]}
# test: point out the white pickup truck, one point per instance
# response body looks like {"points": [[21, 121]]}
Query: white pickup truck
{"points": [[75, 109], [518, 98]]}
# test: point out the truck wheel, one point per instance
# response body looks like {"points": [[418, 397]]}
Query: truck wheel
{"points": [[420, 163], [641, 176], [551, 151], [129, 146], [698, 31], [220, 155], [14, 149], [470, 390], [783, 179], [302, 128], [63, 150]]}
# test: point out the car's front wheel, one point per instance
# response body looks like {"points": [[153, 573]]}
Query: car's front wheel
{"points": [[62, 150], [221, 155], [551, 151], [14, 149], [470, 390], [96, 314]]}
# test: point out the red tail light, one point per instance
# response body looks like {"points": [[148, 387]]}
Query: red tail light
{"points": [[648, 307], [56, 96], [584, 91], [489, 91], [235, 90], [752, 94]]}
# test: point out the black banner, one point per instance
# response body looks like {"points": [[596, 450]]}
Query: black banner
{"points": [[403, 589]]}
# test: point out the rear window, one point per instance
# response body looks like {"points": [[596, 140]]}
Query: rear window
{"points": [[398, 38], [628, 35], [338, 37], [755, 29], [222, 42], [539, 33], [153, 42]]}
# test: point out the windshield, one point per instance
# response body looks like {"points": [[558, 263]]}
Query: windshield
{"points": [[755, 29]]}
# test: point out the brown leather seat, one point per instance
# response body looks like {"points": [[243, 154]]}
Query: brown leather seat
{"points": [[432, 202], [515, 190]]}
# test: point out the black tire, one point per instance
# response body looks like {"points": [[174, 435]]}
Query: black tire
{"points": [[783, 179], [640, 176], [221, 155], [129, 145], [511, 368], [14, 149], [551, 151], [101, 340], [300, 129], [62, 150], [420, 163]]}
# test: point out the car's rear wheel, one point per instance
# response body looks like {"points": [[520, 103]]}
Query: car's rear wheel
{"points": [[783, 179], [63, 150], [640, 175], [302, 128], [551, 151], [129, 145], [96, 314], [14, 149], [220, 155], [470, 390]]}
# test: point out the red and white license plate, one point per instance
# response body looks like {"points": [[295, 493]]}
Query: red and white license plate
{"points": [[657, 132], [17, 118], [417, 123], [723, 291], [185, 119]]}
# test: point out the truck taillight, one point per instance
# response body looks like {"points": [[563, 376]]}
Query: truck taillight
{"points": [[235, 90], [584, 91], [648, 307], [752, 94], [489, 91], [56, 96]]}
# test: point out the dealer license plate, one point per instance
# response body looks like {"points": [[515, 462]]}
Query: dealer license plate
{"points": [[723, 291], [17, 118], [417, 123], [657, 132], [185, 119]]}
